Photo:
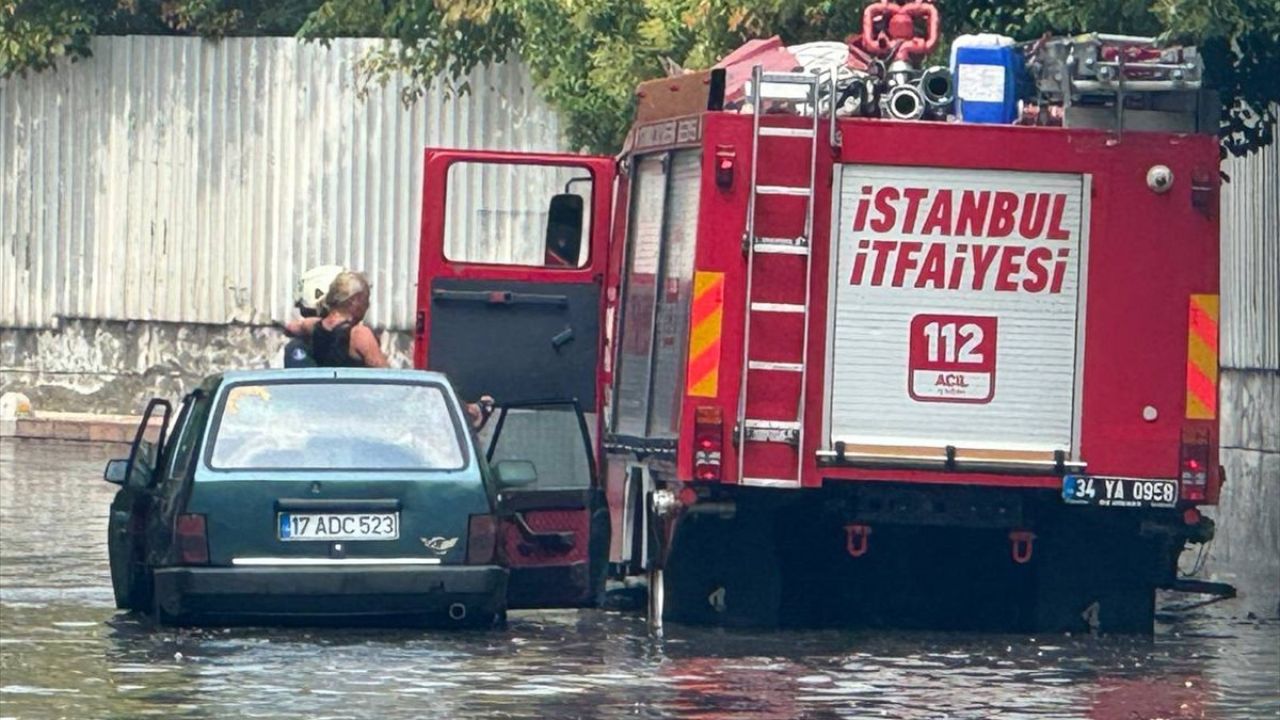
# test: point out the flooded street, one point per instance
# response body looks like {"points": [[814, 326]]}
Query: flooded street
{"points": [[66, 652]]}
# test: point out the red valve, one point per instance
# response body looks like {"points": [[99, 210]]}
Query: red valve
{"points": [[890, 28]]}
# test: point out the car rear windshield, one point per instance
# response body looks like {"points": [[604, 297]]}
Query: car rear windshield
{"points": [[336, 426]]}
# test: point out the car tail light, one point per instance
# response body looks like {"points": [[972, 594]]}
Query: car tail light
{"points": [[193, 541], [708, 443], [1194, 468], [482, 539]]}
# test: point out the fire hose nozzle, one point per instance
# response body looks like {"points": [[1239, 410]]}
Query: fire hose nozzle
{"points": [[903, 102], [937, 85]]}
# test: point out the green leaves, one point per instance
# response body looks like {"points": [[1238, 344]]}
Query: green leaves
{"points": [[587, 56]]}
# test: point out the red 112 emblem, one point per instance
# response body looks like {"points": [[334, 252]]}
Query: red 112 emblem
{"points": [[953, 359]]}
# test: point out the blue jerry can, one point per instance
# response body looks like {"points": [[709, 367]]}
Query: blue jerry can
{"points": [[986, 69]]}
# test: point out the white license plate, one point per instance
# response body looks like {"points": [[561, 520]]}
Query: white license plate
{"points": [[1119, 492], [338, 526]]}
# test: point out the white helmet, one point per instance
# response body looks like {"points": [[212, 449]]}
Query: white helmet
{"points": [[309, 293]]}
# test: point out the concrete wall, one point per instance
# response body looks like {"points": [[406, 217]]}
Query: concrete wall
{"points": [[1247, 548], [115, 366]]}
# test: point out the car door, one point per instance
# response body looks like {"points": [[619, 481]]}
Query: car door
{"points": [[554, 524], [172, 484], [512, 264], [131, 507]]}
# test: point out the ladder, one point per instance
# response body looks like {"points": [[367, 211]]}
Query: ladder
{"points": [[775, 347]]}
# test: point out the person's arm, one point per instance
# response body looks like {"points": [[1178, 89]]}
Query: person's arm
{"points": [[301, 327], [364, 344], [478, 412]]}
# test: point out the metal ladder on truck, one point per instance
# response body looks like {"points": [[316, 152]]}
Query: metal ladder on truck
{"points": [[775, 346]]}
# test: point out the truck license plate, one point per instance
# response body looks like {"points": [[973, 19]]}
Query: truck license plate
{"points": [[339, 526], [1119, 492]]}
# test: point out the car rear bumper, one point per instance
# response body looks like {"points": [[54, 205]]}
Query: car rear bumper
{"points": [[465, 595]]}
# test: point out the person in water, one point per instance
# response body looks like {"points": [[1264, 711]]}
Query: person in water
{"points": [[340, 338]]}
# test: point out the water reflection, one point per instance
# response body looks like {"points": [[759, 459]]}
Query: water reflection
{"points": [[66, 652]]}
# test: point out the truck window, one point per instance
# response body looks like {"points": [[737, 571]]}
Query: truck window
{"points": [[517, 214], [655, 314], [671, 334], [635, 349]]}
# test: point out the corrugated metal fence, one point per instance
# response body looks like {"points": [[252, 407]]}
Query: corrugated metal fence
{"points": [[182, 180], [176, 179], [1251, 262]]}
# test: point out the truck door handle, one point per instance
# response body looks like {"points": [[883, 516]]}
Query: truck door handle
{"points": [[553, 540], [561, 338], [500, 297]]}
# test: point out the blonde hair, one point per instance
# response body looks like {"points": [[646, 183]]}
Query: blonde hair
{"points": [[346, 287]]}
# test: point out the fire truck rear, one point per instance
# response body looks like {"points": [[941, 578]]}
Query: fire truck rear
{"points": [[883, 371]]}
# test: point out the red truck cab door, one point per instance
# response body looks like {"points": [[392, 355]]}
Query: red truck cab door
{"points": [[511, 284]]}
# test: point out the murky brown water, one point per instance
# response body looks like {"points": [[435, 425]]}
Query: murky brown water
{"points": [[66, 652]]}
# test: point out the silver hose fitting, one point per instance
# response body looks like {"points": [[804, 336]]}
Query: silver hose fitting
{"points": [[903, 102], [937, 86]]}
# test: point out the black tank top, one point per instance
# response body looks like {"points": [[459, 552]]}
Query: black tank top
{"points": [[332, 348]]}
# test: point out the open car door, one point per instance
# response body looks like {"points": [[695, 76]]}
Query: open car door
{"points": [[511, 289], [554, 523]]}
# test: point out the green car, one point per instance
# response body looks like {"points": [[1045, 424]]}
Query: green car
{"points": [[315, 495]]}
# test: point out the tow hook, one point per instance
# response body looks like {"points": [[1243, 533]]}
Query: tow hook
{"points": [[1022, 545], [856, 539]]}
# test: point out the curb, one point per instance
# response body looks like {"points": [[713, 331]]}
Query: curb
{"points": [[72, 426]]}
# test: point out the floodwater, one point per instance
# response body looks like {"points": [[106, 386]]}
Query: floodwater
{"points": [[65, 652]]}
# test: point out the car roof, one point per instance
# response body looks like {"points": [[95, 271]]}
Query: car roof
{"points": [[379, 374]]}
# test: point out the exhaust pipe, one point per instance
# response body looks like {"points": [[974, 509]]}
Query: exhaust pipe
{"points": [[938, 88], [457, 611], [902, 102]]}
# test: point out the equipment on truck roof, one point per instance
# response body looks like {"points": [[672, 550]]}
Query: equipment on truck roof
{"points": [[1120, 82]]}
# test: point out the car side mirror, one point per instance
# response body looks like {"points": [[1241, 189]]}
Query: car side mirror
{"points": [[516, 473], [564, 230], [117, 471]]}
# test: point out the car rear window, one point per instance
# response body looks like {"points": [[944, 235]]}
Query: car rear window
{"points": [[335, 426]]}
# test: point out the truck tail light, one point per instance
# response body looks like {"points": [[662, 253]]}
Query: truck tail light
{"points": [[193, 540], [1194, 469], [482, 539], [708, 443]]}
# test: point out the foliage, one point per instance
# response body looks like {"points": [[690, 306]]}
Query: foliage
{"points": [[588, 55], [35, 34]]}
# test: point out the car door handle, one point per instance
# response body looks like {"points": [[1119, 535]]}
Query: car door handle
{"points": [[561, 541]]}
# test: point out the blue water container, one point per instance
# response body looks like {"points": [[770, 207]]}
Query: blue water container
{"points": [[986, 69]]}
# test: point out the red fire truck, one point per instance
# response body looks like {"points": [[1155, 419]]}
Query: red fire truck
{"points": [[840, 369]]}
